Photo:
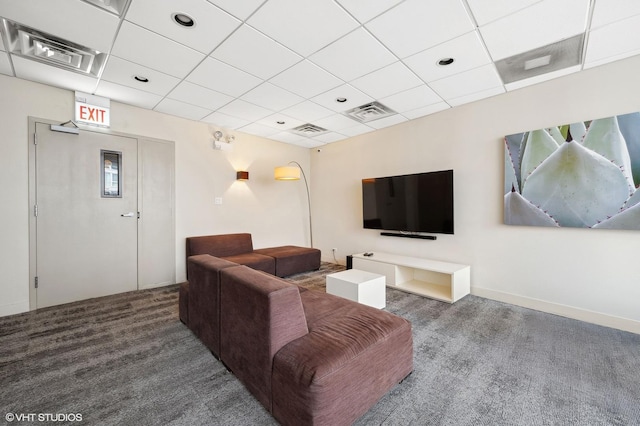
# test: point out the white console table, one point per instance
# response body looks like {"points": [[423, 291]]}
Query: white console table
{"points": [[443, 281]]}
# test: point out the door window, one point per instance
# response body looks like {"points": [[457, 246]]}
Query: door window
{"points": [[111, 168]]}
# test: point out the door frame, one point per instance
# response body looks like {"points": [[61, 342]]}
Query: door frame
{"points": [[33, 261]]}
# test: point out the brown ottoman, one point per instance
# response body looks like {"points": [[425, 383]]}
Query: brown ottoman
{"points": [[293, 259]]}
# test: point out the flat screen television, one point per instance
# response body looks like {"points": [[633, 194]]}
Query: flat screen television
{"points": [[416, 203]]}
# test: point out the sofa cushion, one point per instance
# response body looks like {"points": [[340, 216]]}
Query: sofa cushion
{"points": [[292, 259], [204, 296], [254, 260], [259, 314], [326, 377], [220, 245]]}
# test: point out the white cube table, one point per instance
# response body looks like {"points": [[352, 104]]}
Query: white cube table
{"points": [[360, 286]]}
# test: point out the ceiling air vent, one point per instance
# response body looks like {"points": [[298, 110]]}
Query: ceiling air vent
{"points": [[309, 130], [542, 60], [369, 112], [51, 50]]}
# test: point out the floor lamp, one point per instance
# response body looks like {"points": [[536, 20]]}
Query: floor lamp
{"points": [[289, 172]]}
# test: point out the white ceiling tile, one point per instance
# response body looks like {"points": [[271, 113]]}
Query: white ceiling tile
{"points": [[353, 56], [425, 19], [224, 120], [365, 11], [353, 96], [467, 83], [608, 11], [280, 121], [387, 121], [259, 130], [288, 137], [328, 138], [53, 76], [305, 28], [240, 9], [127, 95], [467, 51], [144, 47], [245, 110], [335, 122], [181, 109], [486, 11], [5, 65], [483, 94], [308, 111], [123, 72], [430, 109], [306, 79], [411, 99], [271, 97], [543, 23], [543, 77], [356, 130], [255, 53], [200, 96], [212, 25], [309, 143], [222, 78], [613, 42], [67, 19], [386, 81]]}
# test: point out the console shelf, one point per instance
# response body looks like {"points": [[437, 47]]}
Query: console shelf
{"points": [[438, 280]]}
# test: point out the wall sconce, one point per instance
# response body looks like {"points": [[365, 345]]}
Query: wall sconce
{"points": [[222, 142], [242, 175]]}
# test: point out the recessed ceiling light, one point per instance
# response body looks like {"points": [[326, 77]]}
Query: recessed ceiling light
{"points": [[280, 122], [183, 19], [445, 61], [141, 79], [341, 100]]}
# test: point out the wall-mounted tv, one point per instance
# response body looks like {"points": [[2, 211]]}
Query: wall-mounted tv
{"points": [[419, 203]]}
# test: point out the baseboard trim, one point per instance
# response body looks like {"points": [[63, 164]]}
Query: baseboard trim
{"points": [[14, 308], [561, 310]]}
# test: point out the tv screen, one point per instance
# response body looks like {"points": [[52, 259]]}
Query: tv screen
{"points": [[421, 202]]}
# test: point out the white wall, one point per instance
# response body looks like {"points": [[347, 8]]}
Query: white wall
{"points": [[580, 273], [274, 212]]}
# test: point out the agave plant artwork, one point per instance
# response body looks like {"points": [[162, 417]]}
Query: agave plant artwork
{"points": [[583, 175]]}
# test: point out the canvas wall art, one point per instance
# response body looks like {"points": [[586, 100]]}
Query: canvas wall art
{"points": [[583, 175]]}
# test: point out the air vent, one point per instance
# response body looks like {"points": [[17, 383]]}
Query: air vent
{"points": [[309, 130], [542, 60], [51, 50], [369, 112]]}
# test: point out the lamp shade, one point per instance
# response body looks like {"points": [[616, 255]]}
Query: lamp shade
{"points": [[287, 173]]}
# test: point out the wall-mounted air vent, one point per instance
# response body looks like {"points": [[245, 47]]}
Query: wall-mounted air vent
{"points": [[309, 130], [369, 112], [51, 50], [542, 60]]}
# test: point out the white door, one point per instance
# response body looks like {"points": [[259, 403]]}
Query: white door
{"points": [[86, 189], [156, 236]]}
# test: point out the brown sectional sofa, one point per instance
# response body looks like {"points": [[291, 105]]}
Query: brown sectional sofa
{"points": [[238, 248], [310, 358]]}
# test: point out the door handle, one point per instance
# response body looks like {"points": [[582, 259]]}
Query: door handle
{"points": [[130, 214]]}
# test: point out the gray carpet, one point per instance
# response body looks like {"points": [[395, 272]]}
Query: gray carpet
{"points": [[127, 360]]}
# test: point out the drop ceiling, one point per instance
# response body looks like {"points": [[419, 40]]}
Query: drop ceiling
{"points": [[270, 67]]}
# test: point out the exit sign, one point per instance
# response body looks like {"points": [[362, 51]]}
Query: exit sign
{"points": [[91, 109]]}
